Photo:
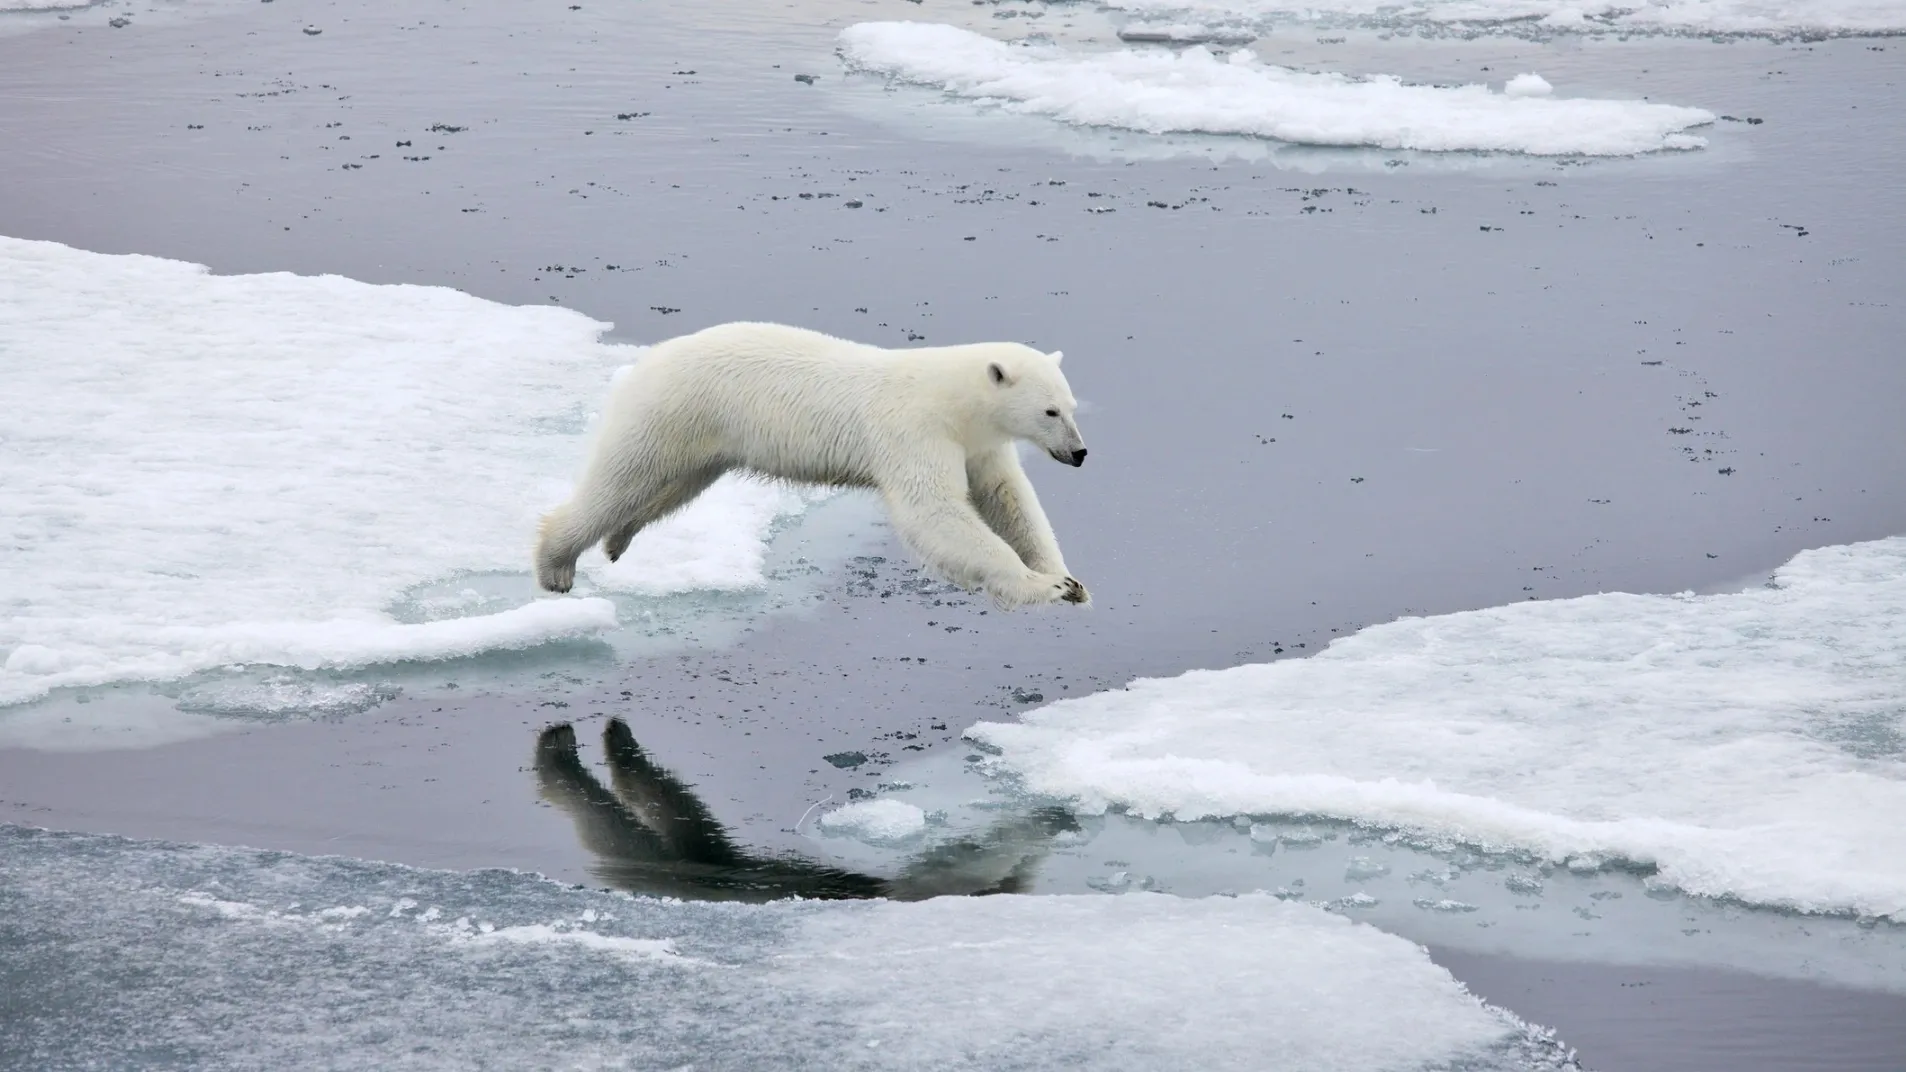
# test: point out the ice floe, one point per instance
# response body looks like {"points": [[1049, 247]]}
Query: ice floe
{"points": [[1749, 745], [229, 958], [1196, 91], [200, 470], [1780, 18]]}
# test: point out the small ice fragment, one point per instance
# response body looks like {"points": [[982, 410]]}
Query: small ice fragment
{"points": [[1524, 884], [876, 820], [1362, 868], [1527, 85], [1443, 904]]}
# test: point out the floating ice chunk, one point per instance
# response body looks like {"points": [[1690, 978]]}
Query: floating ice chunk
{"points": [[1770, 17], [1527, 85], [1747, 745], [876, 820], [1362, 868], [1194, 91], [1443, 904], [504, 977], [205, 470]]}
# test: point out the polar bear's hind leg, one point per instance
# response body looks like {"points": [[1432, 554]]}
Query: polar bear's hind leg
{"points": [[645, 493], [673, 495]]}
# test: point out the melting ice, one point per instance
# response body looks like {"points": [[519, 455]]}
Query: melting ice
{"points": [[1195, 91], [141, 952], [1749, 746]]}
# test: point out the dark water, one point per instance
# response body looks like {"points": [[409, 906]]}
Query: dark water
{"points": [[1329, 389]]}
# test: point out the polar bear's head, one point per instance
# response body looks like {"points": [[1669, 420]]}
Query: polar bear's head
{"points": [[1032, 401]]}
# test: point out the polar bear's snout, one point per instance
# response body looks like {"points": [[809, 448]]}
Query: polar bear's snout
{"points": [[1074, 458]]}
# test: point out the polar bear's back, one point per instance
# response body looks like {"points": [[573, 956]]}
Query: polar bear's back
{"points": [[780, 400]]}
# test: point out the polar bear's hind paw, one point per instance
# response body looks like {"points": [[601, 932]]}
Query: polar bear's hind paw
{"points": [[556, 577]]}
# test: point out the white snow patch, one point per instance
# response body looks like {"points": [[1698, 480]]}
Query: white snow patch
{"points": [[1195, 91], [876, 820], [1527, 85], [198, 471], [1771, 17], [1749, 745], [42, 5]]}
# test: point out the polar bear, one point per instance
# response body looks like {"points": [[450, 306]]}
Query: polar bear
{"points": [[931, 429]]}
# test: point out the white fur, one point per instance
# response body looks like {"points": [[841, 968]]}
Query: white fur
{"points": [[932, 429]]}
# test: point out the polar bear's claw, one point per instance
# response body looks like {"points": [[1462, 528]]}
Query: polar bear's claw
{"points": [[1071, 591]]}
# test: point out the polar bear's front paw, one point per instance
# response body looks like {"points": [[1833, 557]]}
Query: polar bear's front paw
{"points": [[1071, 591], [1041, 588]]}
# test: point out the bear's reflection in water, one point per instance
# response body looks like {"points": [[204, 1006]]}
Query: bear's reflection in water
{"points": [[653, 835]]}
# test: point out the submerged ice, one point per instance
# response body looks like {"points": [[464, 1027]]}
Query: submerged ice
{"points": [[142, 952], [1749, 745], [1194, 91], [203, 470]]}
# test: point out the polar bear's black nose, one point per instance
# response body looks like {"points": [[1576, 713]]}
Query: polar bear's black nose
{"points": [[1078, 457]]}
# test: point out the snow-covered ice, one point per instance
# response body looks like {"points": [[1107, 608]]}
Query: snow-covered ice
{"points": [[199, 470], [1766, 17], [876, 820], [1159, 91], [116, 951], [1749, 745]]}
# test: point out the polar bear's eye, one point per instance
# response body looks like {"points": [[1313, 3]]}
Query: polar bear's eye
{"points": [[1052, 413]]}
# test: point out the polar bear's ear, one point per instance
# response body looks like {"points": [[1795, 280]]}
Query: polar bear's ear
{"points": [[998, 374], [1057, 356]]}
